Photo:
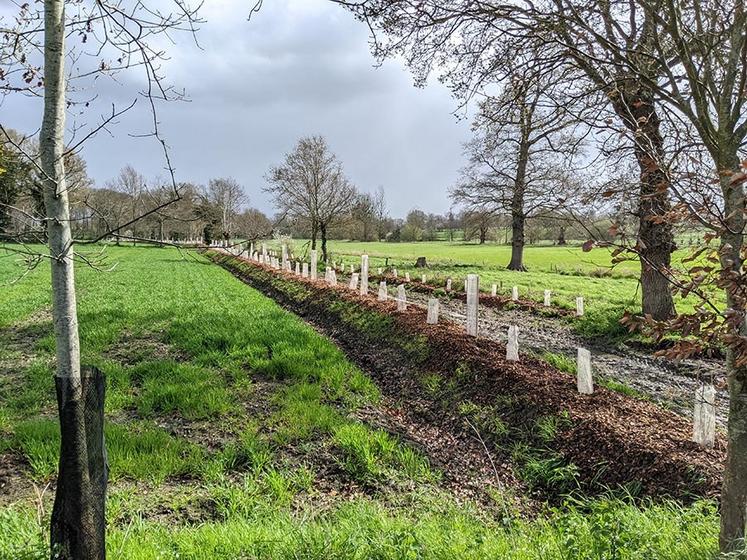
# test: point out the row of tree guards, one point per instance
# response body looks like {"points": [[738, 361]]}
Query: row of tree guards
{"points": [[704, 416]]}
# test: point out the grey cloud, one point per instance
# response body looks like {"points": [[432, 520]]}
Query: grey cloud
{"points": [[297, 68]]}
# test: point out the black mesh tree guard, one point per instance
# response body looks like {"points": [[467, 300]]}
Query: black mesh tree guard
{"points": [[78, 524]]}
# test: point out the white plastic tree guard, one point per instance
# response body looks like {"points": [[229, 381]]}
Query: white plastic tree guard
{"points": [[584, 379], [704, 416], [473, 297], [401, 298], [383, 293], [364, 275], [512, 346], [314, 263], [432, 317]]}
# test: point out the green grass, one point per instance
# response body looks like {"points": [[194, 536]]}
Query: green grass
{"points": [[370, 456], [194, 392], [559, 361], [224, 412], [137, 451], [568, 271], [253, 527], [538, 258]]}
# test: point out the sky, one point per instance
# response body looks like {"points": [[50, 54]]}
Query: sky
{"points": [[297, 68]]}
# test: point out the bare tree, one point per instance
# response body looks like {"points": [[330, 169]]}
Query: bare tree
{"points": [[363, 213], [131, 184], [520, 158], [477, 222], [253, 224], [310, 184], [227, 196], [380, 212]]}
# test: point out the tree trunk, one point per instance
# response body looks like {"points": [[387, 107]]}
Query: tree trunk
{"points": [[55, 194], [74, 513], [517, 200], [323, 232], [634, 104], [734, 490], [313, 235], [517, 241], [483, 236], [561, 236]]}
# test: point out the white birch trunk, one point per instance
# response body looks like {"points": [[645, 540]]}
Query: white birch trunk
{"points": [[52, 148]]}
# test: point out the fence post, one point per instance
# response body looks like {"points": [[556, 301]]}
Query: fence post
{"points": [[548, 295], [515, 293], [579, 306], [353, 281]]}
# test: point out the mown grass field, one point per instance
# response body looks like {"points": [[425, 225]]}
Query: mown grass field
{"points": [[231, 435], [608, 290]]}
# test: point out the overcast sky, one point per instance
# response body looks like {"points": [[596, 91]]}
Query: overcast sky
{"points": [[299, 67]]}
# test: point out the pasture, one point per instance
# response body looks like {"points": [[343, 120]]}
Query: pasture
{"points": [[609, 290], [236, 430]]}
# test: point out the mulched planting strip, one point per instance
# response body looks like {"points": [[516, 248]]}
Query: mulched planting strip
{"points": [[613, 439]]}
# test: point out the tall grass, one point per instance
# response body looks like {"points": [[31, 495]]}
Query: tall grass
{"points": [[427, 529]]}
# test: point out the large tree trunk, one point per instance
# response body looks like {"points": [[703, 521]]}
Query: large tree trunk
{"points": [[517, 200], [323, 233], [635, 106], [313, 235], [518, 219], [517, 241], [734, 490], [76, 514]]}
